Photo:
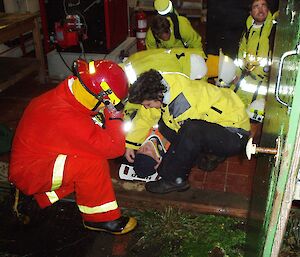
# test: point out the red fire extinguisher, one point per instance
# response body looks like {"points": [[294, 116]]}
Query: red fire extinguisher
{"points": [[141, 29]]}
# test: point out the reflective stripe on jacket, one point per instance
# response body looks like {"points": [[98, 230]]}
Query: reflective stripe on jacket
{"points": [[190, 99], [254, 46]]}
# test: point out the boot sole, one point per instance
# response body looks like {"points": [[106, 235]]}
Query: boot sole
{"points": [[184, 189]]}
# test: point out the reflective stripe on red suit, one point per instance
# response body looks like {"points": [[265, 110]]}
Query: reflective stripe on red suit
{"points": [[58, 149]]}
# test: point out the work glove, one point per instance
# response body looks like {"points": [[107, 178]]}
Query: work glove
{"points": [[111, 113]]}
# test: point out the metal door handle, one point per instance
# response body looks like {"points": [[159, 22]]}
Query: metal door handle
{"points": [[277, 85], [254, 149]]}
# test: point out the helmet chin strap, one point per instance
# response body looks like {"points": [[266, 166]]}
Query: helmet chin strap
{"points": [[98, 97], [96, 106], [119, 106]]}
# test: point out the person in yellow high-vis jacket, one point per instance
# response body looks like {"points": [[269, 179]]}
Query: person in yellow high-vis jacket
{"points": [[199, 119], [254, 55], [167, 33], [185, 60]]}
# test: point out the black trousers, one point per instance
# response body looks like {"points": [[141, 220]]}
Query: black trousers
{"points": [[194, 138]]}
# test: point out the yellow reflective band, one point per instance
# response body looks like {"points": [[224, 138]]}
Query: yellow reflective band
{"points": [[113, 98], [98, 209], [92, 68], [52, 196], [256, 111], [83, 96], [58, 171], [130, 72]]}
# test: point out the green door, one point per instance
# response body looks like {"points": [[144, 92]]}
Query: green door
{"points": [[275, 175]]}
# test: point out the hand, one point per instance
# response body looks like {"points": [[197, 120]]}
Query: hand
{"points": [[129, 155], [112, 114]]}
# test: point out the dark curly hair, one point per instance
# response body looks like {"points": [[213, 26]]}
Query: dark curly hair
{"points": [[148, 86], [253, 1]]}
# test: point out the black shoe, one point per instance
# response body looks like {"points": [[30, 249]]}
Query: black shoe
{"points": [[209, 162], [119, 226], [162, 187]]}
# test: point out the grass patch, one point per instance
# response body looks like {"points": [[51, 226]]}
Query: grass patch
{"points": [[291, 241], [175, 233]]}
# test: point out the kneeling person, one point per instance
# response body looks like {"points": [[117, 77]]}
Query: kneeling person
{"points": [[64, 140], [196, 117]]}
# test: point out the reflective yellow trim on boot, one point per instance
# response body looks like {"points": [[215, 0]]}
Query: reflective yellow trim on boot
{"points": [[131, 224]]}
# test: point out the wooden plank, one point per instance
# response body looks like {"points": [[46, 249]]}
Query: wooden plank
{"points": [[14, 69], [12, 25], [39, 53], [133, 194]]}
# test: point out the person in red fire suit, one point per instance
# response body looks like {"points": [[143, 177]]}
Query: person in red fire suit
{"points": [[64, 140]]}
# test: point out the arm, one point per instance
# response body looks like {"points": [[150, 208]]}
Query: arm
{"points": [[144, 120], [129, 155], [241, 51], [84, 137], [242, 47], [188, 34], [150, 40]]}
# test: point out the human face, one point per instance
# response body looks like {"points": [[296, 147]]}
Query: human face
{"points": [[151, 104], [165, 36], [259, 11], [149, 150]]}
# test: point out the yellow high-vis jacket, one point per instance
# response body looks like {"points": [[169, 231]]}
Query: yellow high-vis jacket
{"points": [[189, 99], [254, 50], [189, 61], [188, 34], [254, 59]]}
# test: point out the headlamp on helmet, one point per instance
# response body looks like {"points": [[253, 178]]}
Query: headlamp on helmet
{"points": [[103, 79]]}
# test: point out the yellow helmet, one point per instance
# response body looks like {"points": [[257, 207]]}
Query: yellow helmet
{"points": [[163, 6]]}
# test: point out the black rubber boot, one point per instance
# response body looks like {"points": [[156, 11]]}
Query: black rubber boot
{"points": [[119, 226], [209, 162], [162, 187], [26, 208]]}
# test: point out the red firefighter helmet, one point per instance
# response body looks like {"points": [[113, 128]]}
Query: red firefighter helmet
{"points": [[104, 79]]}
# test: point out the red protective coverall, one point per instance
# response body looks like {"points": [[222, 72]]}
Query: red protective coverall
{"points": [[58, 149]]}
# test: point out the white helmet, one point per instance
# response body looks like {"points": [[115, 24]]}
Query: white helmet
{"points": [[256, 110], [227, 70], [198, 67]]}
